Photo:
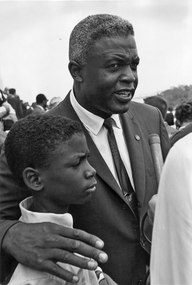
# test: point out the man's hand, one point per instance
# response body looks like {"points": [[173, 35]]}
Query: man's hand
{"points": [[151, 209], [41, 245]]}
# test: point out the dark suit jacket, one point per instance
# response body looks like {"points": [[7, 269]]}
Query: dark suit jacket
{"points": [[180, 134], [107, 214]]}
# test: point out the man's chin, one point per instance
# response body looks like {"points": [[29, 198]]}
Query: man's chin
{"points": [[123, 108]]}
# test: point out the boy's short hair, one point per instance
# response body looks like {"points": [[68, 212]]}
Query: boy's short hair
{"points": [[93, 28], [33, 139]]}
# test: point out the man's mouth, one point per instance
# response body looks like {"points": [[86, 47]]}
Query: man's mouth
{"points": [[124, 95]]}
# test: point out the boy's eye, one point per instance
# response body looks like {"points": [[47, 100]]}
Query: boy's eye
{"points": [[76, 163], [81, 160]]}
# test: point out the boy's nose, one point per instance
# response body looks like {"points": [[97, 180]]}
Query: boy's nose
{"points": [[91, 170]]}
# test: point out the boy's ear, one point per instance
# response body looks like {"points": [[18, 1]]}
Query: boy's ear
{"points": [[32, 179], [75, 70]]}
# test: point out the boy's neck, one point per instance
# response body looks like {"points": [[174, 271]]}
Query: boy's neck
{"points": [[42, 207]]}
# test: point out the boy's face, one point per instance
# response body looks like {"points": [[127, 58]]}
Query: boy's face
{"points": [[69, 179]]}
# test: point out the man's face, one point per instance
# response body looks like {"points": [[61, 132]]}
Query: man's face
{"points": [[110, 76], [69, 179]]}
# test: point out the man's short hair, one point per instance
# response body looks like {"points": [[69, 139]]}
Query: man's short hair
{"points": [[40, 98], [158, 102], [183, 112], [33, 139], [93, 28], [12, 91]]}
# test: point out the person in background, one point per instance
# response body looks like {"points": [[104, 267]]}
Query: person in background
{"points": [[54, 102], [14, 100], [7, 113], [169, 118], [161, 104], [27, 109], [49, 155], [171, 254], [183, 115], [41, 105], [4, 110], [103, 60]]}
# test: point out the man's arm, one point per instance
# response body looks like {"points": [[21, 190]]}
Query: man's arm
{"points": [[40, 245]]}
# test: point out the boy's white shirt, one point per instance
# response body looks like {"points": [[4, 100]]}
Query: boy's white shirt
{"points": [[27, 276]]}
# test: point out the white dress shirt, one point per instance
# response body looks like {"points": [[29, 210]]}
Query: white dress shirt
{"points": [[171, 254], [94, 125]]}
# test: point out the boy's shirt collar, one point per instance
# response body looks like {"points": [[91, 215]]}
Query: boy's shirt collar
{"points": [[28, 216]]}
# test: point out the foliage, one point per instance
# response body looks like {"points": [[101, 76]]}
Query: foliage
{"points": [[177, 95]]}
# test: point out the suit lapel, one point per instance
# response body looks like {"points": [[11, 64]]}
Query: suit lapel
{"points": [[97, 161]]}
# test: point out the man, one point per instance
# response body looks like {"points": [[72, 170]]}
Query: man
{"points": [[103, 63], [41, 105], [170, 116], [14, 100], [183, 115], [161, 104]]}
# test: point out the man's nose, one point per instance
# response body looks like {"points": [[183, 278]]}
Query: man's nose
{"points": [[127, 74]]}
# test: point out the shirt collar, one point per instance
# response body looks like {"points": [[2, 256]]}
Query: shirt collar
{"points": [[39, 106], [92, 122], [36, 217]]}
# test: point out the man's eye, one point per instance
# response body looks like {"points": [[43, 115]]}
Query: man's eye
{"points": [[114, 66], [135, 63], [133, 66]]}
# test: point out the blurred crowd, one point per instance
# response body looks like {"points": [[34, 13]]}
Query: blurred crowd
{"points": [[176, 118], [13, 108]]}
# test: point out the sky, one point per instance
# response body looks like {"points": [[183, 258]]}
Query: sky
{"points": [[34, 39]]}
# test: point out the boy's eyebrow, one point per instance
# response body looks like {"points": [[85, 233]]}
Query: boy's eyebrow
{"points": [[81, 154]]}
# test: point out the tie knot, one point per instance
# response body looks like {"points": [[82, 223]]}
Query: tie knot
{"points": [[108, 123]]}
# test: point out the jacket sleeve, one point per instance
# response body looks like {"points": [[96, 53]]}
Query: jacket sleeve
{"points": [[10, 196]]}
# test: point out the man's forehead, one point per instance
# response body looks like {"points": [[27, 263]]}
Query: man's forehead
{"points": [[109, 44]]}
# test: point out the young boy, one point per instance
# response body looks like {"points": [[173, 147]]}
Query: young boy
{"points": [[49, 155]]}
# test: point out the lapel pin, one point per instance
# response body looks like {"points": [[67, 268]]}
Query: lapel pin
{"points": [[137, 137]]}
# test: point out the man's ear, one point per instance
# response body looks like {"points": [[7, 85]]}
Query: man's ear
{"points": [[32, 179], [75, 70]]}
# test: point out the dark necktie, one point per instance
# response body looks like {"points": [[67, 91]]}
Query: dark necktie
{"points": [[122, 174]]}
